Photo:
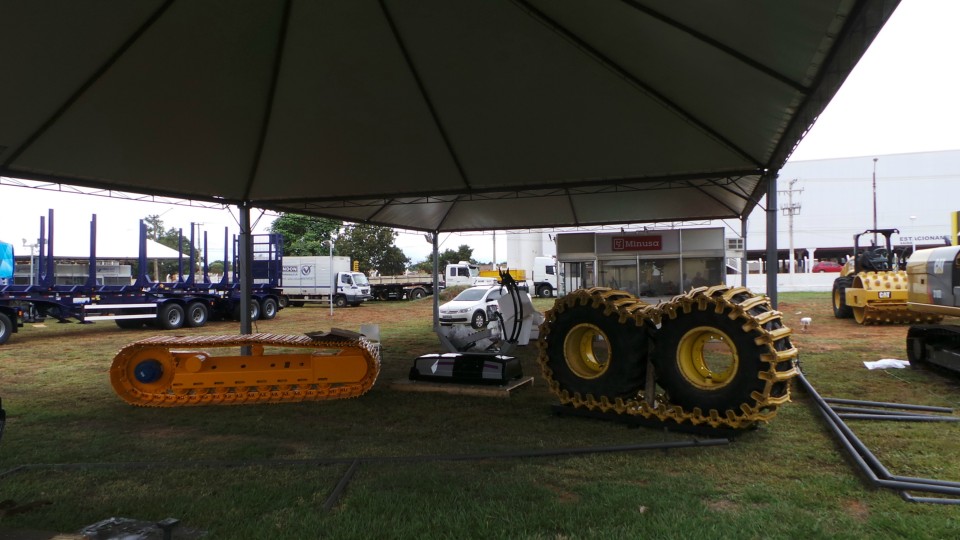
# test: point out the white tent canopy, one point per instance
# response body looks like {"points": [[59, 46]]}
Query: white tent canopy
{"points": [[427, 115]]}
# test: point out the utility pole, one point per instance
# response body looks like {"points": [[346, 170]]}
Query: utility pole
{"points": [[875, 200], [791, 209]]}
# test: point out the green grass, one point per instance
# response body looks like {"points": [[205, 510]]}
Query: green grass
{"points": [[786, 479]]}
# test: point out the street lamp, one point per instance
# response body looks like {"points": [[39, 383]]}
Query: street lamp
{"points": [[32, 247]]}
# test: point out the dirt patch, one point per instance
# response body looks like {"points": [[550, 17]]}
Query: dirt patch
{"points": [[857, 509]]}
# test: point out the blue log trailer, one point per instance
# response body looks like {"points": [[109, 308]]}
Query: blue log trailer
{"points": [[184, 303]]}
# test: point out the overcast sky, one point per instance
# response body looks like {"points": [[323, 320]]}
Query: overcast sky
{"points": [[903, 96]]}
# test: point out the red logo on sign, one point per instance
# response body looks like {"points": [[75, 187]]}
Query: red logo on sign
{"points": [[637, 243]]}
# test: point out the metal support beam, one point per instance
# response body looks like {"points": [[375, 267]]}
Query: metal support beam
{"points": [[772, 263], [245, 256], [744, 261]]}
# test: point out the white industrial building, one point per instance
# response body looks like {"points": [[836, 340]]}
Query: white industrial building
{"points": [[820, 205]]}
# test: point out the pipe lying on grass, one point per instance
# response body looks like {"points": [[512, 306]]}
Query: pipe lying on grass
{"points": [[888, 405], [899, 417], [355, 462], [871, 466]]}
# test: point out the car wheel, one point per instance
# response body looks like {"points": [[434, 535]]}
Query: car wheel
{"points": [[479, 319]]}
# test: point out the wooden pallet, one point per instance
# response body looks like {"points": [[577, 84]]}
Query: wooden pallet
{"points": [[483, 390]]}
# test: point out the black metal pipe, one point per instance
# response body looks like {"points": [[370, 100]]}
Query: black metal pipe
{"points": [[889, 405], [931, 500], [865, 410], [867, 462], [899, 417], [372, 459], [341, 485]]}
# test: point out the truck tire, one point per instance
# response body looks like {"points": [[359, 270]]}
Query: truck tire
{"points": [[6, 328], [171, 316], [284, 302], [197, 314], [254, 310], [268, 309], [417, 293], [478, 320], [340, 301], [545, 290]]}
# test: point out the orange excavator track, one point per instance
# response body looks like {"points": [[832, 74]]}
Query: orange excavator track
{"points": [[266, 368]]}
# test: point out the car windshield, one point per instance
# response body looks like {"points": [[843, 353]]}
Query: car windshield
{"points": [[470, 295]]}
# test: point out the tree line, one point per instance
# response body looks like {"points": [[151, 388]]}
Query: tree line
{"points": [[372, 246]]}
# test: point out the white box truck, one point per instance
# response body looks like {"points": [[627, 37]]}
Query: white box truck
{"points": [[309, 279]]}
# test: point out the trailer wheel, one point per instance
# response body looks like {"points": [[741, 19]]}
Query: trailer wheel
{"points": [[197, 314], [6, 328], [545, 291], [284, 302], [171, 316], [129, 324], [340, 301], [417, 293], [268, 309], [254, 310]]}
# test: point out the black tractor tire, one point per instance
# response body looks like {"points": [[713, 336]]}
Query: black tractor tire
{"points": [[171, 316], [840, 308], [268, 309], [545, 291], [340, 301], [683, 371], [479, 319], [6, 328], [575, 363], [197, 314]]}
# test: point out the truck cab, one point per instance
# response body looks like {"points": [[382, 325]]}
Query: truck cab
{"points": [[545, 276], [461, 273], [353, 288]]}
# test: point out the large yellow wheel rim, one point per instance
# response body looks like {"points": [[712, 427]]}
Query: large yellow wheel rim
{"points": [[837, 299], [860, 314], [586, 350], [707, 358]]}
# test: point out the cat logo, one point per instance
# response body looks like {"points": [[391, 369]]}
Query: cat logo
{"points": [[883, 294]]}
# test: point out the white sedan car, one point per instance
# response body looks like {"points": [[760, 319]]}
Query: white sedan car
{"points": [[474, 306]]}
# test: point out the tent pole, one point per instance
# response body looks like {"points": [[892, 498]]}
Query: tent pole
{"points": [[245, 256], [772, 263], [436, 281]]}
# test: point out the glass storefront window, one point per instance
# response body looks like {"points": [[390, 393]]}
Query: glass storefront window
{"points": [[619, 274], [700, 272]]}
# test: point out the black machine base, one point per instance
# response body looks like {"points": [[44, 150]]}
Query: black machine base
{"points": [[470, 368], [635, 421]]}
